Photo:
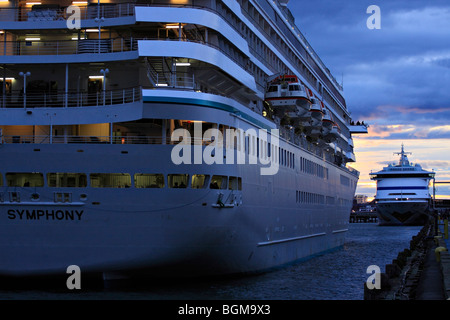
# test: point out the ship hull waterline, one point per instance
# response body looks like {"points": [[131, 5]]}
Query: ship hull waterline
{"points": [[174, 231]]}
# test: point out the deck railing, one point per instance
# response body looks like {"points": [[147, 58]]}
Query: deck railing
{"points": [[57, 13], [70, 99], [115, 138], [64, 47]]}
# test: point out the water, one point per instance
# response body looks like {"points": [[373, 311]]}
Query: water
{"points": [[336, 275]]}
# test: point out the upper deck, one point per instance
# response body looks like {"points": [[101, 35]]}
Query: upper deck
{"points": [[404, 169], [274, 44]]}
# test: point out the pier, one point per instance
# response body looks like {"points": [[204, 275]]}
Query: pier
{"points": [[422, 271]]}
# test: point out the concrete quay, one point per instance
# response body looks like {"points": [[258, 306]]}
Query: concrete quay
{"points": [[420, 272]]}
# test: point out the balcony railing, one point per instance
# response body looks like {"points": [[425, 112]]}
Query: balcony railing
{"points": [[70, 99], [113, 139], [56, 12], [21, 48]]}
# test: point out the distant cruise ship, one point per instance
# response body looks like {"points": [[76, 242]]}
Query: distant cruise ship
{"points": [[169, 137], [403, 196]]}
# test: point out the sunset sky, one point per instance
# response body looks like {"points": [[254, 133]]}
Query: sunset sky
{"points": [[396, 79]]}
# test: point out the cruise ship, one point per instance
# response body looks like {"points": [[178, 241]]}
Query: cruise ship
{"points": [[403, 196], [169, 138]]}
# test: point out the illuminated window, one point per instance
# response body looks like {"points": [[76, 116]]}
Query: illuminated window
{"points": [[177, 180], [70, 180], [110, 180], [218, 182], [25, 179], [199, 181], [144, 180]]}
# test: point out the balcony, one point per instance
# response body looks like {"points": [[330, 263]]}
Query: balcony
{"points": [[46, 13], [70, 99], [65, 47]]}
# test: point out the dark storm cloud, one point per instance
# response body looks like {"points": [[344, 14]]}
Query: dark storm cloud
{"points": [[397, 75]]}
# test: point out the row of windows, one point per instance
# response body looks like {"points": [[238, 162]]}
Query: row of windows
{"points": [[121, 180], [316, 198], [313, 168], [309, 197], [249, 142]]}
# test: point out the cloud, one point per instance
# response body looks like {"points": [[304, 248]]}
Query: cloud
{"points": [[404, 64], [395, 79]]}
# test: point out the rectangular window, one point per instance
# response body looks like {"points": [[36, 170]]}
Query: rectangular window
{"points": [[233, 183], [218, 182], [145, 180], [70, 180], [177, 180], [199, 181], [25, 179], [110, 180]]}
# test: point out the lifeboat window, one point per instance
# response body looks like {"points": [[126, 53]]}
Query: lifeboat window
{"points": [[273, 89], [177, 180], [199, 181], [218, 182], [146, 180], [110, 180], [294, 87], [71, 180], [25, 179]]}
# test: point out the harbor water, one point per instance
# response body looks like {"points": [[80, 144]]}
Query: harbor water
{"points": [[336, 275]]}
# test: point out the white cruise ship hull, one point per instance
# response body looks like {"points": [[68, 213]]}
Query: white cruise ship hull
{"points": [[168, 231], [85, 140], [406, 213], [178, 231]]}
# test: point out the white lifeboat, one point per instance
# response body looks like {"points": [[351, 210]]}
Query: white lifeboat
{"points": [[313, 126], [327, 122], [335, 132], [288, 96]]}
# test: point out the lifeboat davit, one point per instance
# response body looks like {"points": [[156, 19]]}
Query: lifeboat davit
{"points": [[288, 96], [313, 127], [334, 133], [327, 122]]}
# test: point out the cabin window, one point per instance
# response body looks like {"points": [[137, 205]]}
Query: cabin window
{"points": [[177, 180], [219, 182], [70, 180], [25, 179], [199, 181], [273, 89], [233, 183], [110, 180], [147, 180]]}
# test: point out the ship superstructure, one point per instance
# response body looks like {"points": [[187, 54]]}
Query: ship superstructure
{"points": [[403, 196], [137, 140]]}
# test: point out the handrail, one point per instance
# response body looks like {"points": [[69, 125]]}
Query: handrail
{"points": [[58, 13], [71, 98], [64, 47]]}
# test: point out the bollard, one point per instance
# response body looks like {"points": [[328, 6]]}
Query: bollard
{"points": [[446, 229], [438, 251], [436, 239]]}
